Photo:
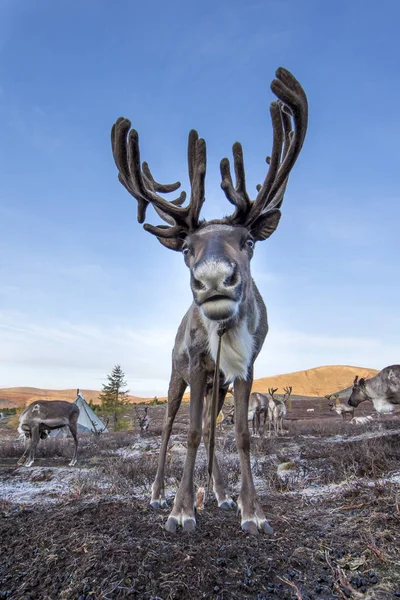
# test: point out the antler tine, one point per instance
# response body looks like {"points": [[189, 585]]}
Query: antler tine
{"points": [[141, 184], [287, 142], [197, 173], [236, 195], [197, 161]]}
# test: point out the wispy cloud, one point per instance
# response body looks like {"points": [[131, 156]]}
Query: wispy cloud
{"points": [[63, 354]]}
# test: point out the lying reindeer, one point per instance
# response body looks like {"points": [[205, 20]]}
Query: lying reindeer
{"points": [[41, 417], [383, 390]]}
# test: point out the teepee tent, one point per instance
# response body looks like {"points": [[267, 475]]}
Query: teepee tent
{"points": [[88, 421]]}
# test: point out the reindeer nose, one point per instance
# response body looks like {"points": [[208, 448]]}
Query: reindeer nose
{"points": [[214, 274]]}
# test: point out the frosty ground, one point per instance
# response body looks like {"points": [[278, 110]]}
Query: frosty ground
{"points": [[330, 490]]}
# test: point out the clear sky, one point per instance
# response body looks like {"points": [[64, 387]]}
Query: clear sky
{"points": [[83, 287]]}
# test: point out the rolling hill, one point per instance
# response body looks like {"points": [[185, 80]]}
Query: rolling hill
{"points": [[311, 382]]}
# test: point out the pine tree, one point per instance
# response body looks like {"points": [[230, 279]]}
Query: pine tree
{"points": [[112, 394]]}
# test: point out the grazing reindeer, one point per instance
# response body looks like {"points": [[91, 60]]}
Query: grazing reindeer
{"points": [[340, 408], [43, 416], [383, 390], [227, 313]]}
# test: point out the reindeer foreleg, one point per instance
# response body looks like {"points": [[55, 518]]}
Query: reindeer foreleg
{"points": [[183, 510], [252, 515], [73, 427], [35, 436], [27, 442], [219, 487], [177, 387]]}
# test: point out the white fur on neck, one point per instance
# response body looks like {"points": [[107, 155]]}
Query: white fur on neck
{"points": [[237, 346]]}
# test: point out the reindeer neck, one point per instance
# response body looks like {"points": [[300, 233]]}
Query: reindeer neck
{"points": [[238, 342]]}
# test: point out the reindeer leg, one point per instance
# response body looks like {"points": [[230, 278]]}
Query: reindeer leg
{"points": [[183, 510], [73, 427], [252, 515], [28, 442], [258, 423], [177, 387], [223, 498], [32, 447], [265, 420]]}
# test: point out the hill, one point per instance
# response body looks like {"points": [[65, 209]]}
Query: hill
{"points": [[22, 396], [311, 382], [315, 382]]}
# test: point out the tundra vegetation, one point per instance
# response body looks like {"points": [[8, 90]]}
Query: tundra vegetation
{"points": [[331, 490]]}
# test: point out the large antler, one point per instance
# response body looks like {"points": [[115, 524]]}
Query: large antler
{"points": [[139, 182], [287, 143]]}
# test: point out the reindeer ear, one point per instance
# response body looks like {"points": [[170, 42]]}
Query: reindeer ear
{"points": [[172, 243], [265, 225], [361, 383]]}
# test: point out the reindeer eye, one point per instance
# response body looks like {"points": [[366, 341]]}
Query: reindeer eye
{"points": [[185, 251], [250, 243]]}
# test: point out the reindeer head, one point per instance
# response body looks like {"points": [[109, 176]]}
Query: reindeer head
{"points": [[271, 392], [335, 402], [287, 394], [218, 252], [358, 393]]}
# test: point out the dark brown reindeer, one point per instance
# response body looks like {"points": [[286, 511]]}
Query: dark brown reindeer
{"points": [[41, 417], [226, 301]]}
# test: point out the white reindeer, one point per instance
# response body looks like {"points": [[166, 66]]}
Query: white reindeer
{"points": [[277, 410]]}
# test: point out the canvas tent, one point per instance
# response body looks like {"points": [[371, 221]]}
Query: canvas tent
{"points": [[88, 421]]}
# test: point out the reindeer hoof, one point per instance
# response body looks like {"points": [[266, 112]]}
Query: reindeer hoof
{"points": [[250, 527], [253, 527], [189, 524], [266, 528], [227, 504], [157, 504], [171, 524]]}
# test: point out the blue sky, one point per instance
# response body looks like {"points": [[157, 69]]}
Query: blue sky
{"points": [[83, 287]]}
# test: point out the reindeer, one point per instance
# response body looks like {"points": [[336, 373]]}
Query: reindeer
{"points": [[383, 390], [41, 417], [143, 419], [340, 408], [224, 329], [258, 405], [277, 410], [226, 415]]}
